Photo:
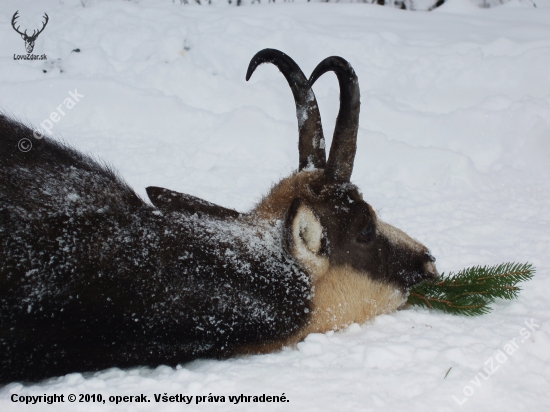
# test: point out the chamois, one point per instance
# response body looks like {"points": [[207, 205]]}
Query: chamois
{"points": [[92, 276]]}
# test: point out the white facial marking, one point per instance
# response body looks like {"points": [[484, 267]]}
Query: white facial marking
{"points": [[345, 295], [398, 238]]}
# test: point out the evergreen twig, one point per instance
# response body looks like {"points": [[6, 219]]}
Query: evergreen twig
{"points": [[470, 291]]}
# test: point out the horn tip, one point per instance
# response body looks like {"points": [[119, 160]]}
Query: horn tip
{"points": [[254, 63]]}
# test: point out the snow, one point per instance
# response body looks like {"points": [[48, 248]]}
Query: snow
{"points": [[453, 148]]}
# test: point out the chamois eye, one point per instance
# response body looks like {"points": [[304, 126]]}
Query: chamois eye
{"points": [[366, 234]]}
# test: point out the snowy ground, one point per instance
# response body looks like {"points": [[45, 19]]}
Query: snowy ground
{"points": [[454, 148]]}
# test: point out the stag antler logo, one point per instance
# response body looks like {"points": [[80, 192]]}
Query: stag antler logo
{"points": [[29, 40]]}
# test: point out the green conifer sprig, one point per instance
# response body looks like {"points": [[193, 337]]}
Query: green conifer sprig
{"points": [[470, 291]]}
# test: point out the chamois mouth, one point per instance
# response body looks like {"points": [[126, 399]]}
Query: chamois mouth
{"points": [[428, 272], [410, 279]]}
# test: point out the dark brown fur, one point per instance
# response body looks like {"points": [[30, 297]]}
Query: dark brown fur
{"points": [[170, 201]]}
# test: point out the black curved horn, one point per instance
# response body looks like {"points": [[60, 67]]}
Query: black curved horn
{"points": [[311, 143], [344, 141]]}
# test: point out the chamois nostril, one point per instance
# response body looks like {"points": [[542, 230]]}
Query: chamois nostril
{"points": [[430, 257]]}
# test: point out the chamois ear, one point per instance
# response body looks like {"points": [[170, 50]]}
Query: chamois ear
{"points": [[171, 201], [304, 237]]}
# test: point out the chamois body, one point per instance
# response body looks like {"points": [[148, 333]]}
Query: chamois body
{"points": [[93, 277]]}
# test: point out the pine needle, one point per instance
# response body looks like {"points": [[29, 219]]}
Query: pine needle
{"points": [[470, 291]]}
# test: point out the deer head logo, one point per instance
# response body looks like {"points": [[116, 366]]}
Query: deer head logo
{"points": [[29, 40]]}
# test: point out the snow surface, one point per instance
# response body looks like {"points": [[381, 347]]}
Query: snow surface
{"points": [[453, 148]]}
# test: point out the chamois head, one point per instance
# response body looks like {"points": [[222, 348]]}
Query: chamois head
{"points": [[359, 266], [327, 219]]}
